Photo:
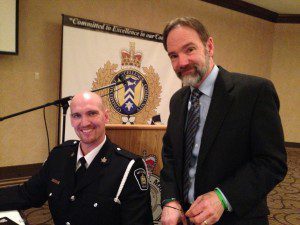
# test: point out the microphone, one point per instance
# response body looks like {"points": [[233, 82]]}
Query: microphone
{"points": [[122, 78]]}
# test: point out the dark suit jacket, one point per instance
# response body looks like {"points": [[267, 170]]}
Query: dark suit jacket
{"points": [[92, 201], [242, 150]]}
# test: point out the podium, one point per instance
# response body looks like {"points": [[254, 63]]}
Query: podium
{"points": [[143, 140]]}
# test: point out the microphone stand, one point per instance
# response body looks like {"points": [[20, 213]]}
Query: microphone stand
{"points": [[63, 102]]}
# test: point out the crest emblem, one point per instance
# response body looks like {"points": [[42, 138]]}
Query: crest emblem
{"points": [[155, 188], [134, 102]]}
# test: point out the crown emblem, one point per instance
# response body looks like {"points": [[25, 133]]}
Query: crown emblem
{"points": [[150, 161], [131, 58]]}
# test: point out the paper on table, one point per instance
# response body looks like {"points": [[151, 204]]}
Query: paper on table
{"points": [[14, 215]]}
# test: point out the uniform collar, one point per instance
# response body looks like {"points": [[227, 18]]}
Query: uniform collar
{"points": [[90, 156]]}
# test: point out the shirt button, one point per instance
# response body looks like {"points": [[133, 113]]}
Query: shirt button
{"points": [[72, 198], [95, 204], [68, 223]]}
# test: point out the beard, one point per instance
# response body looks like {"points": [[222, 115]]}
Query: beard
{"points": [[195, 77]]}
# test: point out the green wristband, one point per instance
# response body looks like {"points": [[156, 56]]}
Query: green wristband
{"points": [[221, 198], [167, 201]]}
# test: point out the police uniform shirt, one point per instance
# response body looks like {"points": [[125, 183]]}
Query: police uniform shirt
{"points": [[93, 200]]}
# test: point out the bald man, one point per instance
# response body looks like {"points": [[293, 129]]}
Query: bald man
{"points": [[81, 180]]}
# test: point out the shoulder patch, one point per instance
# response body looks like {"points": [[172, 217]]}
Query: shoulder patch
{"points": [[141, 178]]}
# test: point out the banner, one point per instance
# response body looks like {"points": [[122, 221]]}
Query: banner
{"points": [[95, 54]]}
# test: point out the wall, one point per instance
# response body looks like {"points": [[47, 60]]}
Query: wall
{"points": [[285, 75], [243, 44]]}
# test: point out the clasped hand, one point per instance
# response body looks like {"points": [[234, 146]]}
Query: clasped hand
{"points": [[205, 210]]}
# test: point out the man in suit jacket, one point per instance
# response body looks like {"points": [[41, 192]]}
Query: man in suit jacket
{"points": [[238, 154], [96, 197]]}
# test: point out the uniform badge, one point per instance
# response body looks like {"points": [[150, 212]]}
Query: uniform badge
{"points": [[141, 178]]}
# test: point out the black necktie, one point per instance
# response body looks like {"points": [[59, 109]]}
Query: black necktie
{"points": [[80, 172], [192, 127]]}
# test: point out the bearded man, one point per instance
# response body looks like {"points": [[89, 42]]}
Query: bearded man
{"points": [[223, 150]]}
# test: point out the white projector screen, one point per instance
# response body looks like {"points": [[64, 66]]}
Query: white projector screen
{"points": [[9, 26]]}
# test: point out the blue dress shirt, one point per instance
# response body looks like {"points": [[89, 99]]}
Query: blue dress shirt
{"points": [[207, 88]]}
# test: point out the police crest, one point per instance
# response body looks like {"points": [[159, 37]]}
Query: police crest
{"points": [[155, 187], [136, 101]]}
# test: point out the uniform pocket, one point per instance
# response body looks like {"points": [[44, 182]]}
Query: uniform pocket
{"points": [[54, 198], [103, 208], [53, 190]]}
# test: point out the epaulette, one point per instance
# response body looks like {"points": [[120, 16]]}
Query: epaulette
{"points": [[68, 143], [125, 153]]}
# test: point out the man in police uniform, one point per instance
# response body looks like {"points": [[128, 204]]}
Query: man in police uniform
{"points": [[90, 182]]}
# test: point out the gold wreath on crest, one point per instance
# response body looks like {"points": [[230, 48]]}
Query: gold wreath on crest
{"points": [[106, 75]]}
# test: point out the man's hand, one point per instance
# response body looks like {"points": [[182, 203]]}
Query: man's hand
{"points": [[172, 214], [206, 209]]}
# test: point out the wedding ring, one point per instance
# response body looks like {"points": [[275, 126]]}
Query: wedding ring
{"points": [[205, 222]]}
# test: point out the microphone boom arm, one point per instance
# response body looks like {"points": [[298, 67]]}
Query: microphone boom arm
{"points": [[60, 102], [56, 102]]}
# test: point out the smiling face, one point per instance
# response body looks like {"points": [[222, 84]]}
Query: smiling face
{"points": [[191, 59], [88, 118]]}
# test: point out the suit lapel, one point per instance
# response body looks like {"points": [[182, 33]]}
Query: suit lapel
{"points": [[102, 159], [219, 106], [181, 114]]}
